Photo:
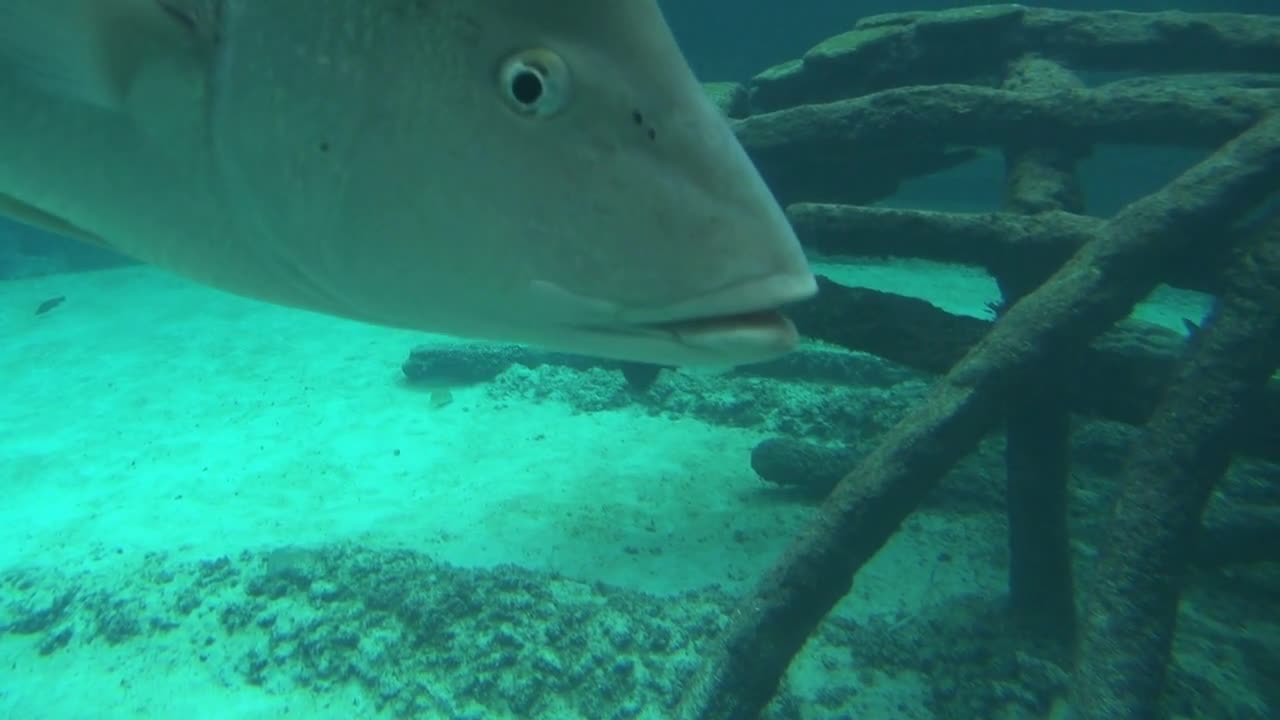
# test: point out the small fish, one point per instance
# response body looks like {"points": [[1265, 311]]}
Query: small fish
{"points": [[50, 304], [540, 171]]}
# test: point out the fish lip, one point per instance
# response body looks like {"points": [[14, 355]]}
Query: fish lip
{"points": [[746, 337], [768, 319], [744, 318], [738, 301], [719, 340]]}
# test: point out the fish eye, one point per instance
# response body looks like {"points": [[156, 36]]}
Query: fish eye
{"points": [[535, 83]]}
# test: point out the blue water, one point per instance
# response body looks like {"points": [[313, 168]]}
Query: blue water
{"points": [[220, 508]]}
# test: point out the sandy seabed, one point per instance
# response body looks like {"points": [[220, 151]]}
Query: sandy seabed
{"points": [[147, 415]]}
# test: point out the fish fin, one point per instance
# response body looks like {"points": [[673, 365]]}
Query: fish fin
{"points": [[88, 50], [28, 214]]}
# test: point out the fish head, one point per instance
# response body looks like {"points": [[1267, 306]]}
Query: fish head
{"points": [[543, 171]]}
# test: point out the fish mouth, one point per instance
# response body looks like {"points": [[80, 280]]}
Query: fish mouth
{"points": [[735, 324], [757, 331], [751, 302], [739, 323]]}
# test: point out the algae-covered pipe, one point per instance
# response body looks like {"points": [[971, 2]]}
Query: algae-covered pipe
{"points": [[1040, 178], [1131, 609]]}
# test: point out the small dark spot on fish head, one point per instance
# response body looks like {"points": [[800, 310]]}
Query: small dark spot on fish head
{"points": [[637, 117], [325, 146]]}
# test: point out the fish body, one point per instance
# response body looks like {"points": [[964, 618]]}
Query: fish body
{"points": [[540, 171]]}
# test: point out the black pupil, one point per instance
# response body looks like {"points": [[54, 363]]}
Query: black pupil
{"points": [[526, 87]]}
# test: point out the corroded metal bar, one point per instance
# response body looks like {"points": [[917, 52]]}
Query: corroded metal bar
{"points": [[1040, 178], [859, 150], [971, 44], [990, 240], [1120, 376]]}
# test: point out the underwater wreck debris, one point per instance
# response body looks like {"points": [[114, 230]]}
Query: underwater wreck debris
{"points": [[906, 330], [802, 149], [910, 94], [1130, 611], [1096, 288], [1239, 534], [1120, 376], [732, 98], [1234, 532], [994, 240], [970, 44], [808, 467], [1040, 178], [1150, 112]]}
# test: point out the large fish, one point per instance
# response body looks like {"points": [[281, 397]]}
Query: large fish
{"points": [[542, 171]]}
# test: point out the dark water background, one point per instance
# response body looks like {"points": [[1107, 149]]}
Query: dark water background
{"points": [[735, 39]]}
